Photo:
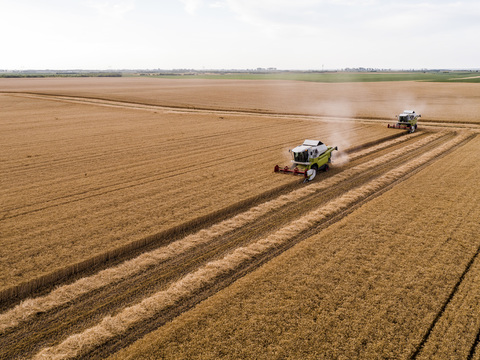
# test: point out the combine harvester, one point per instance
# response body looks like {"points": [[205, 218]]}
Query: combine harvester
{"points": [[309, 158], [407, 120]]}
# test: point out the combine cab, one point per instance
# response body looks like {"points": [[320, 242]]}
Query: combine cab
{"points": [[309, 158], [407, 120]]}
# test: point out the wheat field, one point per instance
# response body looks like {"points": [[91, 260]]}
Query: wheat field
{"points": [[359, 289], [141, 218]]}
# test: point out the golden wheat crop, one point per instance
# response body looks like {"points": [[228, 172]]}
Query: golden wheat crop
{"points": [[113, 326], [93, 169], [367, 287]]}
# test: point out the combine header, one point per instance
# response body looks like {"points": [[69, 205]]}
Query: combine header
{"points": [[407, 120], [309, 158]]}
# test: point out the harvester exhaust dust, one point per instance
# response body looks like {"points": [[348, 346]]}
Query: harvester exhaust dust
{"points": [[309, 158]]}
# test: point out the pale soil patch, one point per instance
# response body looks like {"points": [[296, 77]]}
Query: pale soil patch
{"points": [[369, 286], [469, 77]]}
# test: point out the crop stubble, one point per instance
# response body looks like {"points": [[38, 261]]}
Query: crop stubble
{"points": [[61, 292]]}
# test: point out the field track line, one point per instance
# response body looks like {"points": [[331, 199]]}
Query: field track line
{"points": [[112, 326], [205, 110], [67, 293], [425, 338]]}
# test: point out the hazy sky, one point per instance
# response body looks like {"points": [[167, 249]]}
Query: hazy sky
{"points": [[242, 34]]}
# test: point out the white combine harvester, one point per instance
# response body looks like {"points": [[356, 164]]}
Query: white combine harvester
{"points": [[309, 158], [407, 120]]}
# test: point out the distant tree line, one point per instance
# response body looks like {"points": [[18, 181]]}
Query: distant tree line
{"points": [[59, 74]]}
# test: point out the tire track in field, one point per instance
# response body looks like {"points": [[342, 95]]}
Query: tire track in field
{"points": [[475, 347], [332, 207], [420, 347], [152, 107], [194, 282], [131, 267], [426, 337]]}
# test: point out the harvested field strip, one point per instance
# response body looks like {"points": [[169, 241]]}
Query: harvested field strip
{"points": [[25, 289], [69, 292], [436, 108], [466, 123], [382, 145], [98, 101], [439, 101], [112, 326]]}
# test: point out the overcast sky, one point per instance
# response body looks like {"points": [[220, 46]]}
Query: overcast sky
{"points": [[240, 34]]}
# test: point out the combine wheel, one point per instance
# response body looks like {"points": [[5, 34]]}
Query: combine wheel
{"points": [[311, 173]]}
